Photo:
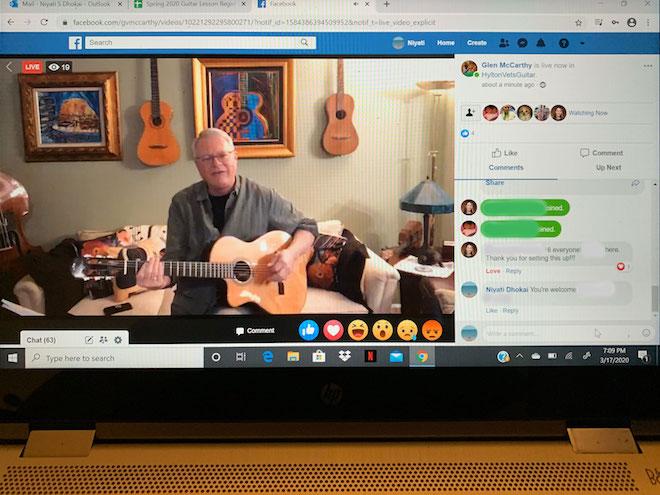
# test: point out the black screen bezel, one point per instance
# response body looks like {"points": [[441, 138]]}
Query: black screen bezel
{"points": [[585, 396]]}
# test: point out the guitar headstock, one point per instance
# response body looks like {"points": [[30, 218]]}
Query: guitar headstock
{"points": [[96, 268]]}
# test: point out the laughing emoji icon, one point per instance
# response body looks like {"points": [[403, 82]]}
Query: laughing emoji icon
{"points": [[358, 330]]}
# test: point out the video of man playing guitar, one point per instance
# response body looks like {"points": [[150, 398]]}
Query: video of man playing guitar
{"points": [[232, 240]]}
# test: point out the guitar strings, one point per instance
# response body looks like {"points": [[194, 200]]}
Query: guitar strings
{"points": [[135, 265], [6, 241]]}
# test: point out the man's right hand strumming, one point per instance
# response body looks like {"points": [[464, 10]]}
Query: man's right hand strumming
{"points": [[151, 275]]}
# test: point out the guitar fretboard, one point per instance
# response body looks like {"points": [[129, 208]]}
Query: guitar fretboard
{"points": [[202, 269], [155, 94], [243, 88], [194, 269], [340, 84]]}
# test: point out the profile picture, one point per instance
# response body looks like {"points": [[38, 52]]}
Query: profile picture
{"points": [[491, 113], [469, 249], [468, 228], [469, 289], [469, 68], [469, 333], [508, 112], [469, 207], [541, 112], [524, 112], [558, 112]]}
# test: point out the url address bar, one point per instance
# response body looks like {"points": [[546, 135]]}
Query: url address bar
{"points": [[200, 42]]}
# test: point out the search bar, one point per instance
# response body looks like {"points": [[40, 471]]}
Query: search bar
{"points": [[147, 356], [200, 42]]}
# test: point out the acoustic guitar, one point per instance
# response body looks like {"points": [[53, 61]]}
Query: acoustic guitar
{"points": [[243, 265], [241, 118], [340, 136], [157, 146]]}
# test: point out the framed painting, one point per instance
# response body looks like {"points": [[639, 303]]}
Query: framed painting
{"points": [[70, 117], [249, 99]]}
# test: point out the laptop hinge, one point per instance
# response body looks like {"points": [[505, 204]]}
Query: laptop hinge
{"points": [[59, 443], [603, 441]]}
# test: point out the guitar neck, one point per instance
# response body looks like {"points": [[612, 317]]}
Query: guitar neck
{"points": [[243, 88], [192, 269], [201, 269], [340, 76], [155, 93]]}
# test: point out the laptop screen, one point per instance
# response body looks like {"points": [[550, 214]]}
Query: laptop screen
{"points": [[299, 184]]}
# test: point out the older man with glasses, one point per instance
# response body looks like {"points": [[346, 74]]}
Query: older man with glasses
{"points": [[222, 203]]}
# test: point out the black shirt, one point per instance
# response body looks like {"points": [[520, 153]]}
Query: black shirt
{"points": [[218, 204]]}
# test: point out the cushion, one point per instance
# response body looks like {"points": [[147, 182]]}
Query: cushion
{"points": [[350, 268], [318, 301], [338, 264], [446, 299], [330, 227], [52, 272]]}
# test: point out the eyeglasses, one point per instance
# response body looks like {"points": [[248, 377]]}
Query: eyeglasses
{"points": [[207, 160]]}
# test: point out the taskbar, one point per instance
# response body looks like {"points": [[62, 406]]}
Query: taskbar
{"points": [[336, 355]]}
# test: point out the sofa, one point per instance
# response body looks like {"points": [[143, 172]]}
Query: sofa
{"points": [[379, 285]]}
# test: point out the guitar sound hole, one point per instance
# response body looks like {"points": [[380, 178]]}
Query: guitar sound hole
{"points": [[340, 114], [157, 121], [244, 117], [242, 271]]}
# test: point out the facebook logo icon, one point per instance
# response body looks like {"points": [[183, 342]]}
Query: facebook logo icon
{"points": [[261, 4], [75, 43]]}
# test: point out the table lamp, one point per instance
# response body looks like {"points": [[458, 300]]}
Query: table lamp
{"points": [[427, 198]]}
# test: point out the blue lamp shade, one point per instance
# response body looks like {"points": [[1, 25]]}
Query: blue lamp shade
{"points": [[427, 197]]}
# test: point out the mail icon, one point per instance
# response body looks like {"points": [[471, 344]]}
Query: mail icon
{"points": [[396, 357]]}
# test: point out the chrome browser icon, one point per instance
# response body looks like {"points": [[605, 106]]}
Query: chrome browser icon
{"points": [[422, 356]]}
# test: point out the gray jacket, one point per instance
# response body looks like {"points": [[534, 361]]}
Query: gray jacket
{"points": [[251, 211]]}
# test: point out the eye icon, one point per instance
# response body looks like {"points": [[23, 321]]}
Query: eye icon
{"points": [[53, 67]]}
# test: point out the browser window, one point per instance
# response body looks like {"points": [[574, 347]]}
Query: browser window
{"points": [[254, 184]]}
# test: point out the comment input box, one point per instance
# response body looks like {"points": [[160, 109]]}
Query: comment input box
{"points": [[570, 334]]}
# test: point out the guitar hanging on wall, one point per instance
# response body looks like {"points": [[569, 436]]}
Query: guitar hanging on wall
{"points": [[340, 136], [14, 205], [157, 146], [241, 118]]}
